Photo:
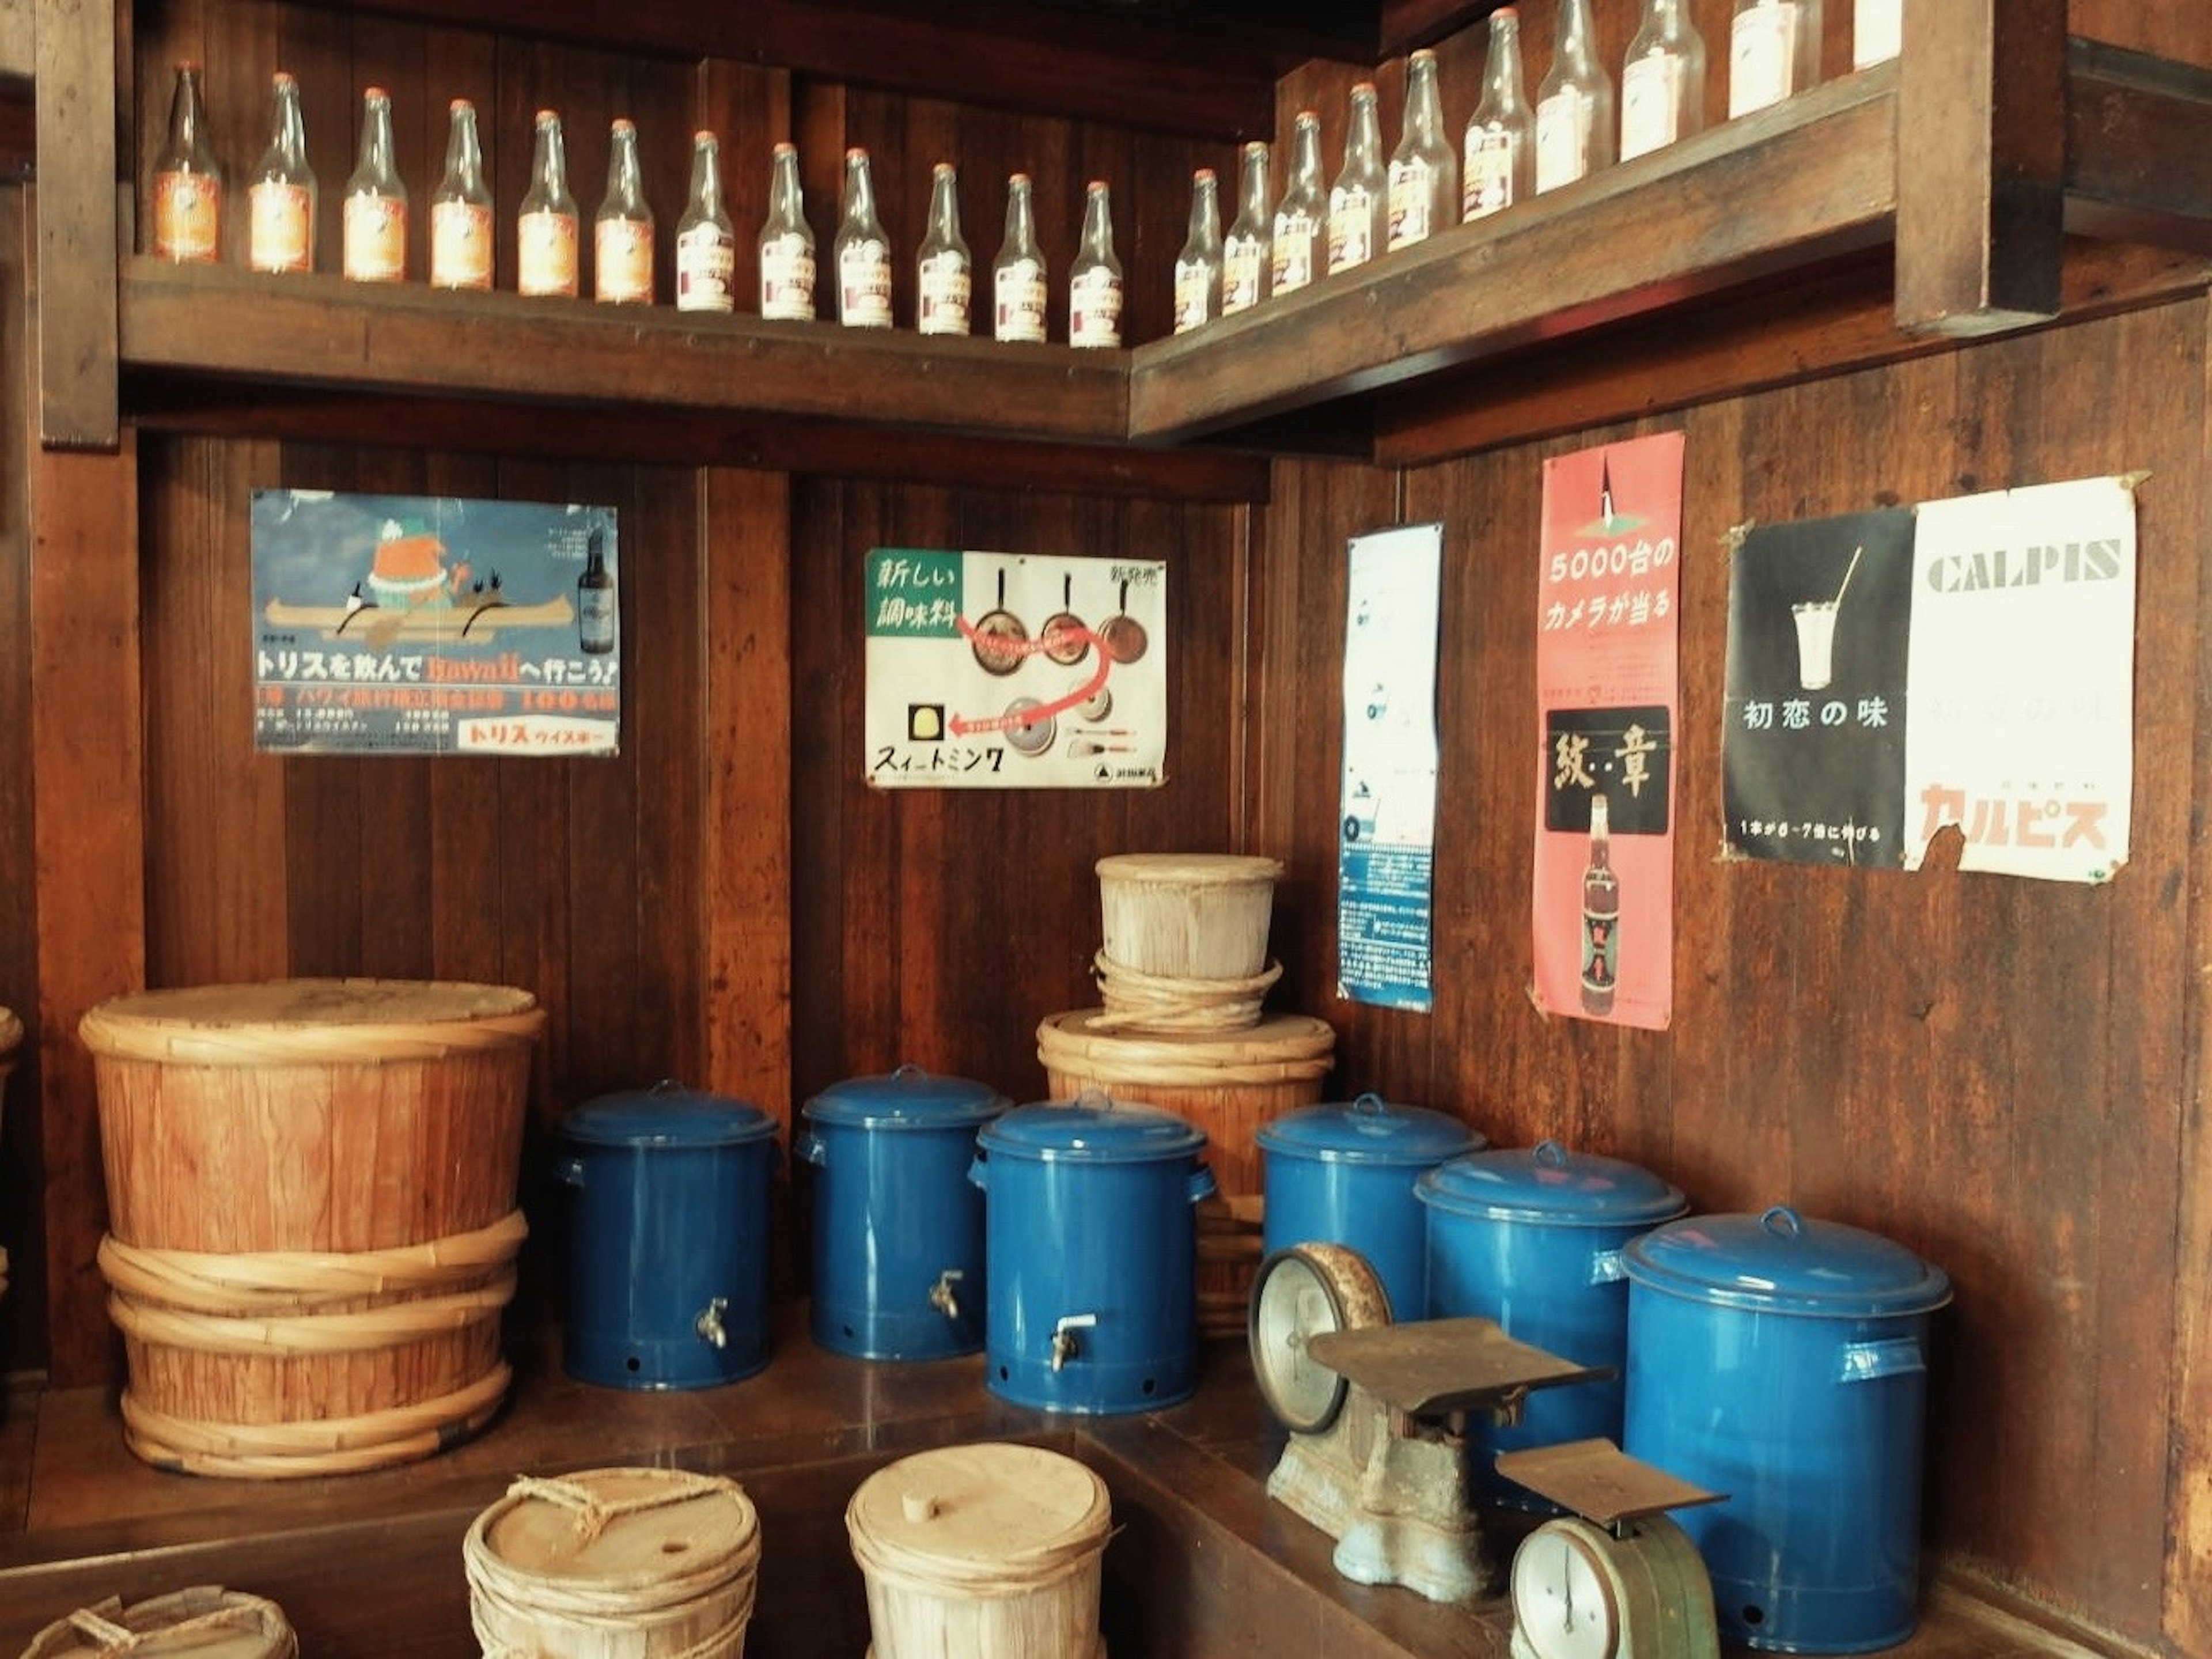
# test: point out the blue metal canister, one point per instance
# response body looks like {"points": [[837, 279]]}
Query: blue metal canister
{"points": [[1782, 1361], [899, 1228], [1531, 1237], [1344, 1174], [1091, 1234], [667, 1238]]}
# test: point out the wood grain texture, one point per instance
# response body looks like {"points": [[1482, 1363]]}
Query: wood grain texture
{"points": [[18, 38], [76, 59]]}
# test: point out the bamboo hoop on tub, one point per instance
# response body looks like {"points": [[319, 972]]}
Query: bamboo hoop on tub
{"points": [[202, 1618]]}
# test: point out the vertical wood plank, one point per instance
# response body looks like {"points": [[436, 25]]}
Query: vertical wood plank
{"points": [[76, 327], [1981, 198]]}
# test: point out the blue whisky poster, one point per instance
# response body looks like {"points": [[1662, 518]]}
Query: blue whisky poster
{"points": [[432, 625]]}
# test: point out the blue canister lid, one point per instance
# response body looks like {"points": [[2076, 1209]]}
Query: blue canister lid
{"points": [[1368, 1130], [1779, 1262], [1548, 1184], [666, 1114], [908, 1098], [1091, 1128]]}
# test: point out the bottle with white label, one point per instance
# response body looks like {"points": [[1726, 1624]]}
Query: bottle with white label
{"points": [[1017, 277], [1424, 171], [862, 253], [1094, 280], [1877, 31], [187, 181], [1574, 105], [787, 246], [1774, 50], [1359, 199], [1298, 249], [545, 232], [376, 226], [706, 242], [1663, 85], [1198, 266], [461, 208], [280, 201], [1498, 160], [943, 270], [1244, 252], [622, 230]]}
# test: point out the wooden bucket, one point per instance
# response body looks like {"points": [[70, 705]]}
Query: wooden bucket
{"points": [[1228, 1084], [11, 1036], [991, 1550], [311, 1189], [1188, 915], [614, 1563], [205, 1622]]}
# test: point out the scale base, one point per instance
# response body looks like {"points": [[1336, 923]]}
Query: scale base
{"points": [[1442, 1562]]}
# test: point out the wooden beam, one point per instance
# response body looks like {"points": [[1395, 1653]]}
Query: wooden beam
{"points": [[1409, 23], [76, 60], [2138, 147], [1981, 189], [1807, 180], [18, 41], [324, 332]]}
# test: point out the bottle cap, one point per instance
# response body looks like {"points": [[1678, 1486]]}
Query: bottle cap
{"points": [[704, 136], [459, 105], [1365, 89], [1423, 54], [370, 95], [1018, 179], [282, 78], [1308, 118], [188, 66], [622, 124], [545, 115], [856, 153], [941, 169], [785, 149], [1204, 174]]}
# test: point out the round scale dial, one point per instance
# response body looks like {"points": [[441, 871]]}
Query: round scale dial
{"points": [[1562, 1596], [1305, 1291]]}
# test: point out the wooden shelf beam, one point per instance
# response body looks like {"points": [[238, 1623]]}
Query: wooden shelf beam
{"points": [[2138, 147]]}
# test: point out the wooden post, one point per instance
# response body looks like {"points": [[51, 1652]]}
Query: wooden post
{"points": [[1981, 122], [78, 68]]}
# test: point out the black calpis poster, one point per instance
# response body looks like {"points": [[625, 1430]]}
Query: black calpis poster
{"points": [[432, 625], [1964, 667]]}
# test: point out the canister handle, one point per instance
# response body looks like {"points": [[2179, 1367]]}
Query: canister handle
{"points": [[1607, 1267], [1201, 1184], [909, 1072], [1550, 1154], [569, 1170], [1869, 1362], [1370, 1105], [979, 1171], [1783, 1222], [809, 1148]]}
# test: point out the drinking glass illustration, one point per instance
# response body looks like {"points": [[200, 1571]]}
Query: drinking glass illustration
{"points": [[1816, 633]]}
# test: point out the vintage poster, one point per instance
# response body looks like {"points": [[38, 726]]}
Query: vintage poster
{"points": [[1386, 843], [1812, 740], [1011, 670], [2021, 673], [430, 625], [1608, 701]]}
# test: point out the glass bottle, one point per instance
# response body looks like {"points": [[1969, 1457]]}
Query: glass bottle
{"points": [[862, 252], [1017, 275], [1198, 266], [545, 255], [596, 623], [1360, 200], [1299, 243], [1424, 171], [187, 181], [280, 201], [787, 246], [461, 208], [1574, 105], [1774, 50], [1600, 914], [1500, 152], [1245, 252], [375, 228], [1877, 31], [1094, 280], [944, 276], [706, 242], [622, 230], [1663, 85]]}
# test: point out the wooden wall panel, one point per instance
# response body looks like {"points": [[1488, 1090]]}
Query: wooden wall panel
{"points": [[1991, 1072]]}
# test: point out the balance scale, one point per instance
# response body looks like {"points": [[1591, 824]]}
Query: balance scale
{"points": [[1377, 1414], [1616, 1579]]}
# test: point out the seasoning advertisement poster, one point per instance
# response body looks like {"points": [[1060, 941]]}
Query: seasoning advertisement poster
{"points": [[1386, 841], [1010, 671], [1608, 703], [1967, 664], [432, 625]]}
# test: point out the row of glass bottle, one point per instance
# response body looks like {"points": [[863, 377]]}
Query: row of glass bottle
{"points": [[1511, 151], [282, 202]]}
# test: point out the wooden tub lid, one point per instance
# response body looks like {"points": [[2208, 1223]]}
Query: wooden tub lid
{"points": [[618, 1532], [1190, 869], [312, 1021], [1280, 1049], [994, 1512], [205, 1621]]}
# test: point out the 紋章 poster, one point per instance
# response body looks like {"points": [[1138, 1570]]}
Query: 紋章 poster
{"points": [[430, 625]]}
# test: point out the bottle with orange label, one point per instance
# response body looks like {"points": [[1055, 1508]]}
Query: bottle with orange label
{"points": [[545, 230], [622, 232], [280, 201], [187, 181], [460, 210], [375, 200]]}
